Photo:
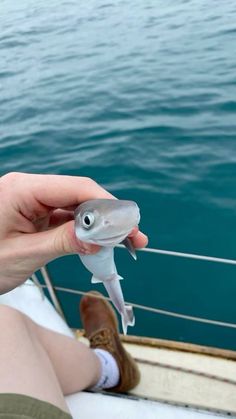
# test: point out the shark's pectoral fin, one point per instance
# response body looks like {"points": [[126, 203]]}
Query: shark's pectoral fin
{"points": [[95, 280], [129, 246]]}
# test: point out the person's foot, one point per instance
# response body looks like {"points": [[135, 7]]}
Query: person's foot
{"points": [[101, 328]]}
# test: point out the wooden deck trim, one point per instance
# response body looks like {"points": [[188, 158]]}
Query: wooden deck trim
{"points": [[180, 346], [173, 345]]}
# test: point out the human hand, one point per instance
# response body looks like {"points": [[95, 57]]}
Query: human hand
{"points": [[37, 222]]}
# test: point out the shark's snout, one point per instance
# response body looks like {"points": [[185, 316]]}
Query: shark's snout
{"points": [[113, 220]]}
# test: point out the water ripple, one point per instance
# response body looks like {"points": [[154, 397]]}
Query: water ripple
{"points": [[139, 96]]}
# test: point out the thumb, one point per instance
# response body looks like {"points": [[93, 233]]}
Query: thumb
{"points": [[25, 253], [61, 241], [64, 241], [37, 249]]}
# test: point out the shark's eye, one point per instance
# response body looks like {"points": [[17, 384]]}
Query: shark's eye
{"points": [[88, 219]]}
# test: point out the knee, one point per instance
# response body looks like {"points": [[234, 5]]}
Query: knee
{"points": [[10, 317], [15, 328]]}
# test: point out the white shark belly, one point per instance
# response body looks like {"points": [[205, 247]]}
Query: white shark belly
{"points": [[102, 264], [103, 268]]}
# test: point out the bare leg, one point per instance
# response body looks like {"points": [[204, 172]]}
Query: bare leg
{"points": [[42, 364], [75, 364]]}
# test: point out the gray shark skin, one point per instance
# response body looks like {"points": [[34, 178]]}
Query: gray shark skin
{"points": [[107, 222]]}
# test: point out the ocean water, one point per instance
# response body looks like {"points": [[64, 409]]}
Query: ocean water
{"points": [[140, 96]]}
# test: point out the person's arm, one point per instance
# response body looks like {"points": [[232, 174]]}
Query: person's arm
{"points": [[36, 222]]}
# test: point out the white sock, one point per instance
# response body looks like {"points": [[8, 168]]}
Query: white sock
{"points": [[110, 374]]}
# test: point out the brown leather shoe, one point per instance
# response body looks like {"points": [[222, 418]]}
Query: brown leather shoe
{"points": [[101, 328]]}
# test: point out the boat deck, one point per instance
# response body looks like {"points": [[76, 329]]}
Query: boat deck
{"points": [[185, 375]]}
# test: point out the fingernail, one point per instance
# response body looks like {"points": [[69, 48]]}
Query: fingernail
{"points": [[83, 251], [86, 249], [85, 246]]}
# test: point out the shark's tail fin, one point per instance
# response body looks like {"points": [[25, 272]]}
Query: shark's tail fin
{"points": [[127, 318]]}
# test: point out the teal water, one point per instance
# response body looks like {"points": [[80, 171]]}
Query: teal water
{"points": [[140, 96]]}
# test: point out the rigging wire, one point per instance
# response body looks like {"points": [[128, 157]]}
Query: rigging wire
{"points": [[156, 310], [184, 255], [156, 363], [152, 309]]}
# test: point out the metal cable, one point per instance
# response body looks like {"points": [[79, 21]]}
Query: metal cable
{"points": [[185, 255], [157, 310], [167, 313], [154, 310]]}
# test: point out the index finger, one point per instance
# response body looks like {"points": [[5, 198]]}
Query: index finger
{"points": [[60, 191], [37, 193], [138, 239], [63, 191]]}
